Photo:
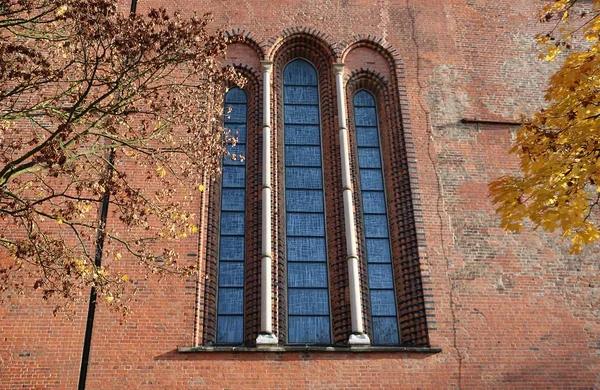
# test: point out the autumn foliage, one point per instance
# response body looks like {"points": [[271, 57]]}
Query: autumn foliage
{"points": [[91, 100], [559, 147]]}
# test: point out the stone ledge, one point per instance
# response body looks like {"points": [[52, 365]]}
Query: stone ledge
{"points": [[308, 348]]}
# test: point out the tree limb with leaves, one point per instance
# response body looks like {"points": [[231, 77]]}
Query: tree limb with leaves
{"points": [[100, 105], [559, 146]]}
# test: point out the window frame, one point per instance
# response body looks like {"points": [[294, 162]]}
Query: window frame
{"points": [[324, 199], [362, 240], [220, 235]]}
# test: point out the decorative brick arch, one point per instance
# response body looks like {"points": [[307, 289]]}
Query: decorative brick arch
{"points": [[248, 38], [374, 42], [294, 35]]}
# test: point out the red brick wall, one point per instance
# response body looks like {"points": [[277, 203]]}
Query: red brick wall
{"points": [[507, 310]]}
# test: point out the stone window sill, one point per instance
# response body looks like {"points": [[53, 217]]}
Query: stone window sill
{"points": [[309, 348]]}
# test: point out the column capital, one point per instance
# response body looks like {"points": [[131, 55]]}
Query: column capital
{"points": [[338, 68], [267, 66]]}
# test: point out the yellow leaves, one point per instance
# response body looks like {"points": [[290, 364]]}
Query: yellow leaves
{"points": [[560, 168], [551, 52], [125, 278], [591, 30], [82, 208], [590, 35], [99, 273], [61, 10], [161, 171], [129, 152], [59, 221], [201, 188], [118, 256], [81, 267]]}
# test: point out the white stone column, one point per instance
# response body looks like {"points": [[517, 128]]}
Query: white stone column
{"points": [[358, 336], [266, 336]]}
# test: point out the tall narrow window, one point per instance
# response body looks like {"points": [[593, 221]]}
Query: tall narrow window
{"points": [[230, 295], [308, 295], [374, 210]]}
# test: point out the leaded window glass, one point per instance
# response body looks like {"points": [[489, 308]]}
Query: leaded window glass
{"points": [[379, 259], [230, 292], [308, 294]]}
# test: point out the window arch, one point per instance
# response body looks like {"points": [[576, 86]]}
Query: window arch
{"points": [[384, 321], [307, 280], [230, 285]]}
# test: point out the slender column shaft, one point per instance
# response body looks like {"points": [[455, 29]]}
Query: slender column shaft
{"points": [[266, 336], [358, 336]]}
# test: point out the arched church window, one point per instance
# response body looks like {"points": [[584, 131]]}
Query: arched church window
{"points": [[374, 213], [307, 281], [230, 292]]}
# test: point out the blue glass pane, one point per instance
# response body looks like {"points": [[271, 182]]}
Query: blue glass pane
{"points": [[230, 329], [233, 199], [309, 178], [300, 72], [378, 250], [376, 226], [235, 113], [302, 135], [231, 301], [371, 179], [231, 248], [383, 303], [301, 115], [369, 158], [231, 274], [238, 131], [306, 249], [380, 276], [365, 116], [309, 330], [301, 95], [367, 136], [235, 95], [308, 301], [307, 275], [307, 225], [232, 223], [385, 330], [234, 176], [303, 156], [364, 98], [373, 202], [237, 155], [304, 200]]}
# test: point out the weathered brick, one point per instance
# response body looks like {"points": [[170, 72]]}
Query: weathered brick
{"points": [[508, 311]]}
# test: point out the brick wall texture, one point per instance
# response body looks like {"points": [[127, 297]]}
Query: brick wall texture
{"points": [[506, 310]]}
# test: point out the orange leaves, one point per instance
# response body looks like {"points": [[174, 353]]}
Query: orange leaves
{"points": [[559, 146], [80, 94]]}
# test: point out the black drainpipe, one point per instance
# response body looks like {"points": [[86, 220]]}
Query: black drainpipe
{"points": [[89, 325], [87, 340]]}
